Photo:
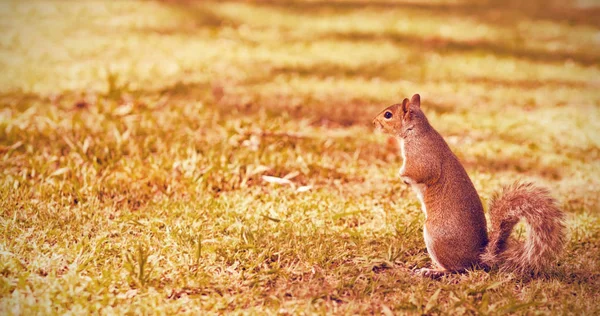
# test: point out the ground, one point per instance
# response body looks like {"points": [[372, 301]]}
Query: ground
{"points": [[161, 157]]}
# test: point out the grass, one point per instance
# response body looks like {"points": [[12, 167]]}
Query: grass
{"points": [[134, 137]]}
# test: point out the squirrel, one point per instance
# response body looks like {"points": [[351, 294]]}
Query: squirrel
{"points": [[455, 229]]}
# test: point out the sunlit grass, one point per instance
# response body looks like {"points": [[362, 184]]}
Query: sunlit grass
{"points": [[134, 136]]}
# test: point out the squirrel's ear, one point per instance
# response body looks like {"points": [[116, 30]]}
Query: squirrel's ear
{"points": [[405, 105], [416, 100]]}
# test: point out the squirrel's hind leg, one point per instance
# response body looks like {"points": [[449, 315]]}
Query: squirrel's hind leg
{"points": [[431, 273]]}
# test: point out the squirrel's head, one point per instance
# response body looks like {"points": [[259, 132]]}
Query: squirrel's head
{"points": [[400, 118]]}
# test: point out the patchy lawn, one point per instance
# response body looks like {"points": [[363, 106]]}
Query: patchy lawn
{"points": [[135, 137]]}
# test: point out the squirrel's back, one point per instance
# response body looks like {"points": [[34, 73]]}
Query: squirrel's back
{"points": [[455, 226]]}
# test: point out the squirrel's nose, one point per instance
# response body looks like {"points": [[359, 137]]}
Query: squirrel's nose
{"points": [[376, 124]]}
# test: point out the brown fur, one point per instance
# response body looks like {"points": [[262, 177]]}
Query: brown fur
{"points": [[545, 229], [455, 227]]}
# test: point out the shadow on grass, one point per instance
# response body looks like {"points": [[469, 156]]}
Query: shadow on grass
{"points": [[400, 70], [334, 111], [448, 46], [525, 166], [198, 12], [486, 13], [490, 11], [343, 113]]}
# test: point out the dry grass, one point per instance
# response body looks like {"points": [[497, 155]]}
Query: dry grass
{"points": [[134, 137]]}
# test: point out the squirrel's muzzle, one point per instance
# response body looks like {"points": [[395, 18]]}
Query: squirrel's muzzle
{"points": [[378, 126]]}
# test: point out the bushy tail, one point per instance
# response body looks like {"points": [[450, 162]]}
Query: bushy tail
{"points": [[545, 230]]}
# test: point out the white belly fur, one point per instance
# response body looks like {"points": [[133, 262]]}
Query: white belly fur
{"points": [[420, 191], [429, 245], [419, 188], [402, 152]]}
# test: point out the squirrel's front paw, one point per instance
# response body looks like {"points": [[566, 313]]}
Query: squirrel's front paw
{"points": [[406, 180], [430, 273]]}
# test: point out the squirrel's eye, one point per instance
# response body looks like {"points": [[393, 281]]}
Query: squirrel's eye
{"points": [[387, 115]]}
